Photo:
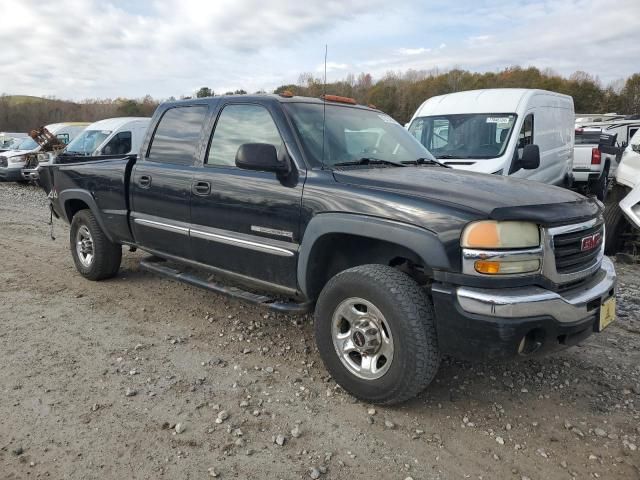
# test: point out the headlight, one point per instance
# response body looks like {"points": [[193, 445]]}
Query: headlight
{"points": [[18, 159], [500, 235]]}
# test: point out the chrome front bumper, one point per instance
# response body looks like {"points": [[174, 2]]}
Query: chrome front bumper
{"points": [[525, 302]]}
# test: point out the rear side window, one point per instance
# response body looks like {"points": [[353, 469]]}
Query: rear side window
{"points": [[239, 124], [118, 145], [177, 136]]}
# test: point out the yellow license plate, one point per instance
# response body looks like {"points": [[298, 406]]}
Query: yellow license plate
{"points": [[607, 313]]}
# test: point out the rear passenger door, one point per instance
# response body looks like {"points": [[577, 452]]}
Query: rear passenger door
{"points": [[161, 181], [246, 222]]}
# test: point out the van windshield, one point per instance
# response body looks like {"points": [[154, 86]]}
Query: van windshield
{"points": [[87, 142], [474, 135], [352, 134]]}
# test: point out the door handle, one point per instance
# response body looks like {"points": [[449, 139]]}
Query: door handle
{"points": [[202, 188], [144, 181]]}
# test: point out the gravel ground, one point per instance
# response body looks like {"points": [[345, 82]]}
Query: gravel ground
{"points": [[140, 377]]}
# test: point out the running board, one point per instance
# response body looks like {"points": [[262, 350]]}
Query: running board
{"points": [[159, 266]]}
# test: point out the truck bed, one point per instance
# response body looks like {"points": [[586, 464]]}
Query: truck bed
{"points": [[105, 185]]}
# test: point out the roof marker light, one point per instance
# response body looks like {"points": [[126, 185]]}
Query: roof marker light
{"points": [[338, 99]]}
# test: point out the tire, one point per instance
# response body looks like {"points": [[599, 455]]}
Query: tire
{"points": [[600, 187], [614, 221], [97, 258], [402, 313]]}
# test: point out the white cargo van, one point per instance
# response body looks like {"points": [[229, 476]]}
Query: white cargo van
{"points": [[505, 131], [113, 136]]}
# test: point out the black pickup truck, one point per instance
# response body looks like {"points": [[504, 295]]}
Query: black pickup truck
{"points": [[297, 203]]}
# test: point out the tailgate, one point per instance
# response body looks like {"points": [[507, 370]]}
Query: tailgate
{"points": [[582, 156]]}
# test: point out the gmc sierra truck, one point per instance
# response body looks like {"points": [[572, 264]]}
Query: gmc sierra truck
{"points": [[300, 204]]}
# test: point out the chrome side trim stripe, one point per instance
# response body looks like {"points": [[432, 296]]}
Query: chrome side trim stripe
{"points": [[162, 226], [260, 247], [220, 237]]}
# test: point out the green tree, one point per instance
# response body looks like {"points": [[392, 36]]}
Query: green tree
{"points": [[630, 95], [204, 92]]}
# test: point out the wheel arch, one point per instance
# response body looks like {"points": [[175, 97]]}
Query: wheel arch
{"points": [[75, 200], [334, 242]]}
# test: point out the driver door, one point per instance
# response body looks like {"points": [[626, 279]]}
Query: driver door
{"points": [[245, 222]]}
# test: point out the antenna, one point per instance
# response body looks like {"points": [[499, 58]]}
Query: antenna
{"points": [[324, 101]]}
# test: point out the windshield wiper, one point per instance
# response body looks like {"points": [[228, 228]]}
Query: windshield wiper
{"points": [[424, 161], [369, 161], [448, 156]]}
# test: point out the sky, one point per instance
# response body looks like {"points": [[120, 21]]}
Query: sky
{"points": [[74, 49]]}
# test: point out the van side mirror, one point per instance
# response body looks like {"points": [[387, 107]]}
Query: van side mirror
{"points": [[530, 157], [260, 156]]}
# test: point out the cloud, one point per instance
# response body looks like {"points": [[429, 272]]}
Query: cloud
{"points": [[109, 48], [333, 67], [413, 51]]}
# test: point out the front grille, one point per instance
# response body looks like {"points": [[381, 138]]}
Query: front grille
{"points": [[3, 162], [568, 250]]}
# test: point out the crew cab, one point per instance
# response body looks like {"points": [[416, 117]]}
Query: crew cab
{"points": [[300, 204]]}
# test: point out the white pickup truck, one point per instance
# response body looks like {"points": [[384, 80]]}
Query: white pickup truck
{"points": [[622, 215], [594, 161]]}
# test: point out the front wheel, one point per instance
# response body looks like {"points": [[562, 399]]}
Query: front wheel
{"points": [[95, 256], [376, 334]]}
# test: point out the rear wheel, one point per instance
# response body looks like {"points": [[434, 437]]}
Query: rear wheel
{"points": [[376, 334], [95, 256]]}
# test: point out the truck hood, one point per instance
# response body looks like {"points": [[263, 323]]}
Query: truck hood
{"points": [[15, 153], [490, 196]]}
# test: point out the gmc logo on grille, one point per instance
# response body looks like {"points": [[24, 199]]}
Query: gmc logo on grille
{"points": [[590, 242]]}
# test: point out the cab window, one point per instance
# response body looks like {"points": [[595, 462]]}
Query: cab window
{"points": [[237, 125], [176, 138], [526, 132], [118, 145]]}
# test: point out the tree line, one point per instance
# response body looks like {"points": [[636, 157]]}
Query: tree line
{"points": [[397, 93], [400, 94]]}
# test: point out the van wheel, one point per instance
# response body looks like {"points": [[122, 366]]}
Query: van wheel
{"points": [[614, 221], [96, 257], [376, 334]]}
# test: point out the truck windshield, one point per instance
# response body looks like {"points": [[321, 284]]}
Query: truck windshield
{"points": [[477, 135], [87, 142], [352, 134], [25, 144]]}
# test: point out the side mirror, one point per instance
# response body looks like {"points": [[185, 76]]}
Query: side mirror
{"points": [[530, 157], [260, 156]]}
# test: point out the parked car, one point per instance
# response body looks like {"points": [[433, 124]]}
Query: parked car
{"points": [[623, 209], [114, 136], [8, 139], [309, 202], [594, 161], [13, 161], [489, 130]]}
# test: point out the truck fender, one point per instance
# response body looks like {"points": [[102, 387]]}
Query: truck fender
{"points": [[424, 243], [84, 196]]}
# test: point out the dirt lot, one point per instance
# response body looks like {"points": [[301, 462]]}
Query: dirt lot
{"points": [[97, 375]]}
